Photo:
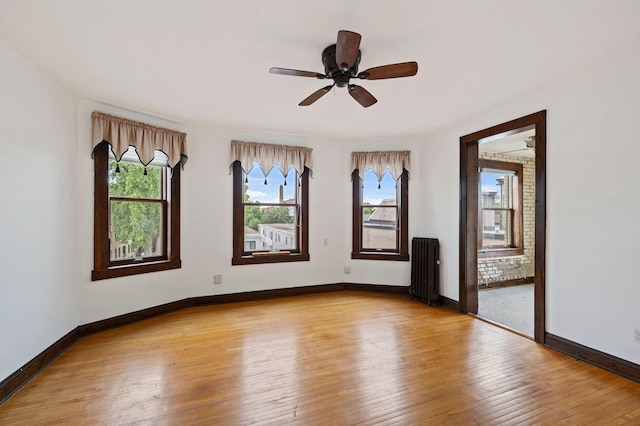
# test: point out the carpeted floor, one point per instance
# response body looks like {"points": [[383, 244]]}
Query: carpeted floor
{"points": [[509, 306]]}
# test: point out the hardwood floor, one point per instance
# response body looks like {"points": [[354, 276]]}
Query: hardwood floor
{"points": [[334, 358]]}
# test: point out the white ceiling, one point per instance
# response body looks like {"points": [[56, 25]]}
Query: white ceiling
{"points": [[515, 144], [207, 61]]}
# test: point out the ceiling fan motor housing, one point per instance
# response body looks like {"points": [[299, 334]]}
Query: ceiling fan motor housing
{"points": [[341, 61], [332, 70]]}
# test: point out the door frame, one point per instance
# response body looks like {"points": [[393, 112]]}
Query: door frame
{"points": [[468, 267]]}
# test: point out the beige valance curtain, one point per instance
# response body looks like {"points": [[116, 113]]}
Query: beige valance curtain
{"points": [[266, 155], [380, 161], [121, 133]]}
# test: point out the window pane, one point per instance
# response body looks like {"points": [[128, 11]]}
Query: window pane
{"points": [[372, 195], [131, 182], [379, 228], [270, 228], [136, 230], [275, 191], [496, 228], [497, 190]]}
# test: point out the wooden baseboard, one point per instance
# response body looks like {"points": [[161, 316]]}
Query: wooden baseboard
{"points": [[449, 303], [376, 288], [595, 357], [132, 317], [20, 377], [252, 296]]}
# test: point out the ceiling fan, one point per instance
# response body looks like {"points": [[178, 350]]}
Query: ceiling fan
{"points": [[341, 62], [530, 143]]}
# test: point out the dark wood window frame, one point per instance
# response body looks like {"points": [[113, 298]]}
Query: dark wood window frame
{"points": [[517, 225], [103, 267], [242, 257], [402, 238]]}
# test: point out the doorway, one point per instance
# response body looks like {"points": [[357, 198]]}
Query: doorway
{"points": [[502, 233], [506, 231]]}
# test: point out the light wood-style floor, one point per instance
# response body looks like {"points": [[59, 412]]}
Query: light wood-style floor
{"points": [[329, 359]]}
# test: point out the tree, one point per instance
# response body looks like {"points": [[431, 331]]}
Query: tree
{"points": [[367, 210], [135, 222], [277, 215], [253, 216]]}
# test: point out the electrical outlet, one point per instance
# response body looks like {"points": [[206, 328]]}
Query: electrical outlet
{"points": [[347, 269], [217, 279], [636, 334]]}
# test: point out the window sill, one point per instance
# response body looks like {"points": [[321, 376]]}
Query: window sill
{"points": [[123, 271], [380, 256], [501, 252], [270, 258]]}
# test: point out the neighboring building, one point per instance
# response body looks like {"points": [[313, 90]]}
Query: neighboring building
{"points": [[252, 239], [125, 251], [379, 228], [491, 227], [277, 236], [272, 236]]}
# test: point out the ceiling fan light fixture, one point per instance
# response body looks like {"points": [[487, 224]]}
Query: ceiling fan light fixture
{"points": [[341, 61], [531, 142]]}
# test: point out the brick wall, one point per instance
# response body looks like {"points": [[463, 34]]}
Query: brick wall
{"points": [[506, 268], [501, 269]]}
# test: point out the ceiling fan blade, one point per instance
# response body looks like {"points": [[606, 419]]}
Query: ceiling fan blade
{"points": [[404, 69], [347, 48], [315, 96], [362, 95], [298, 73]]}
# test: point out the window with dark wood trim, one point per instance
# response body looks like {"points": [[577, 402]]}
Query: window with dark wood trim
{"points": [[117, 259], [297, 242], [500, 215], [398, 210]]}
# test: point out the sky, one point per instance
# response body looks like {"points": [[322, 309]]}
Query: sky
{"points": [[489, 180], [269, 193]]}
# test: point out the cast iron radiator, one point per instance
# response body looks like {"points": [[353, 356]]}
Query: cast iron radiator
{"points": [[425, 269]]}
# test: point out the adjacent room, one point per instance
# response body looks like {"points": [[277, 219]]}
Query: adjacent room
{"points": [[208, 211]]}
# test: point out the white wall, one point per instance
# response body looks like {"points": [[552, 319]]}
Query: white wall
{"points": [[206, 218], [38, 273], [593, 174]]}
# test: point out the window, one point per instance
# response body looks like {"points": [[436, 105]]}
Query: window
{"points": [[136, 207], [501, 213], [270, 210], [380, 208]]}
